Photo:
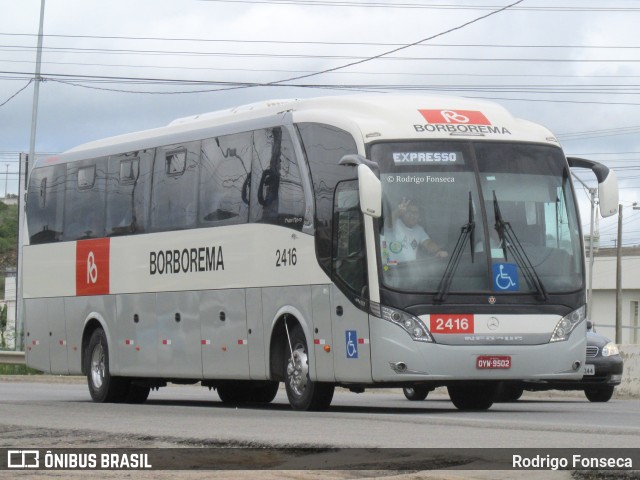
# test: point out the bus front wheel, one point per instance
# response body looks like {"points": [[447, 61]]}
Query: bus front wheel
{"points": [[472, 397], [302, 392]]}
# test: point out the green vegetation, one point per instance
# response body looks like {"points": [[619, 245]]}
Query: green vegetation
{"points": [[8, 232], [8, 240], [8, 255], [17, 370]]}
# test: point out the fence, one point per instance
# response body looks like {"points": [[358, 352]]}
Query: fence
{"points": [[12, 358]]}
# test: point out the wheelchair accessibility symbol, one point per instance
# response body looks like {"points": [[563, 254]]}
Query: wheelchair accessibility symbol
{"points": [[351, 341], [505, 277]]}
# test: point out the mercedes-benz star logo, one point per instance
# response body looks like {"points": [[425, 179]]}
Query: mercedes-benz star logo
{"points": [[493, 323], [492, 300]]}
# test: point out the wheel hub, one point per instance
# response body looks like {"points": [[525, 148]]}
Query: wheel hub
{"points": [[297, 371], [97, 366]]}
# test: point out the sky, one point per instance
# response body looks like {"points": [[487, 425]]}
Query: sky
{"points": [[117, 66]]}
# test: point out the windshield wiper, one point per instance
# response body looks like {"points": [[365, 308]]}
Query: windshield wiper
{"points": [[466, 233], [510, 242]]}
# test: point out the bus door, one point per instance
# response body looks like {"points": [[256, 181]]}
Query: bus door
{"points": [[350, 320]]}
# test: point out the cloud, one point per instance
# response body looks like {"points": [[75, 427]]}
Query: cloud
{"points": [[327, 37]]}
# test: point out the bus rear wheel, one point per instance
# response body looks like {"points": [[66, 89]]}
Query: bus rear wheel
{"points": [[103, 387], [472, 397], [302, 392]]}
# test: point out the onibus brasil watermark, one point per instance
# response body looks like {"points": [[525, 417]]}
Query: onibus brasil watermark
{"points": [[34, 459]]}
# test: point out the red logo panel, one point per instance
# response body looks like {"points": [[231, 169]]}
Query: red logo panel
{"points": [[457, 117], [92, 267]]}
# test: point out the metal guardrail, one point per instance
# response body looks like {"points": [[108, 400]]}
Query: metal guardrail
{"points": [[12, 358]]}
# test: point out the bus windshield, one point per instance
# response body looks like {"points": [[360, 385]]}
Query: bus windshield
{"points": [[464, 217]]}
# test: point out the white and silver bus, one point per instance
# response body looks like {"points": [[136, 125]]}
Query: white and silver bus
{"points": [[272, 243]]}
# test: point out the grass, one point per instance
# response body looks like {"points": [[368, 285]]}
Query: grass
{"points": [[17, 370]]}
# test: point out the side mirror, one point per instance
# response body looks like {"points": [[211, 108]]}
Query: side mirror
{"points": [[369, 185], [607, 184], [608, 195], [370, 192]]}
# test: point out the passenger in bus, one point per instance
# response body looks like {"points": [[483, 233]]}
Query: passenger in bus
{"points": [[405, 237]]}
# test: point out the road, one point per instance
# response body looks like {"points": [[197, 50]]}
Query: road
{"points": [[57, 415]]}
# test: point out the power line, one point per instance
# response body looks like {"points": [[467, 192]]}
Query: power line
{"points": [[346, 3], [15, 94], [360, 59], [395, 50], [318, 42]]}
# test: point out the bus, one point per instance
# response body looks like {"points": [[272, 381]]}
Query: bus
{"points": [[273, 243]]}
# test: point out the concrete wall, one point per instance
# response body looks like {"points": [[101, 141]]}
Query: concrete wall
{"points": [[604, 295], [604, 314], [630, 386]]}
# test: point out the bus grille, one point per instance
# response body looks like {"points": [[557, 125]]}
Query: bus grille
{"points": [[592, 351]]}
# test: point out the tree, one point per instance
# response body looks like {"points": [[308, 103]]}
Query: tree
{"points": [[3, 325]]}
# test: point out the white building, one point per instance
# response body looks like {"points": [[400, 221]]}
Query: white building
{"points": [[604, 294]]}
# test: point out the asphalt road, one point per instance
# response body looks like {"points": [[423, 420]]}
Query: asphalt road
{"points": [[56, 414], [372, 419]]}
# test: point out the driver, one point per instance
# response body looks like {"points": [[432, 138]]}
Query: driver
{"points": [[401, 242]]}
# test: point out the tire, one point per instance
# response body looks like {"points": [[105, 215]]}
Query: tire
{"points": [[472, 397], [102, 386], [508, 393], [599, 394], [416, 393], [234, 392], [302, 392], [265, 393], [137, 393], [247, 392]]}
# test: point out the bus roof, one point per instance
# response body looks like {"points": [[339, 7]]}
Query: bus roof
{"points": [[371, 117]]}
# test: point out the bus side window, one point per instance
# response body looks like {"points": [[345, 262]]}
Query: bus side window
{"points": [[174, 195], [128, 189], [84, 200], [324, 146], [224, 173], [45, 203], [277, 192], [349, 259]]}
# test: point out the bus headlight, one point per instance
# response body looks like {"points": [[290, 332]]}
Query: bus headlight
{"points": [[409, 323], [610, 349], [567, 324]]}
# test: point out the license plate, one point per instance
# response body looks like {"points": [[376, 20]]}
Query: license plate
{"points": [[589, 369], [493, 362]]}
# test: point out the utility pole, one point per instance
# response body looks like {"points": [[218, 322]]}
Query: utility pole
{"points": [[6, 181], [32, 156], [619, 279]]}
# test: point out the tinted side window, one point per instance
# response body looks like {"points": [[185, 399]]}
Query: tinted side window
{"points": [[324, 146], [224, 177], [277, 192], [85, 200], [128, 192], [174, 195], [45, 204]]}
